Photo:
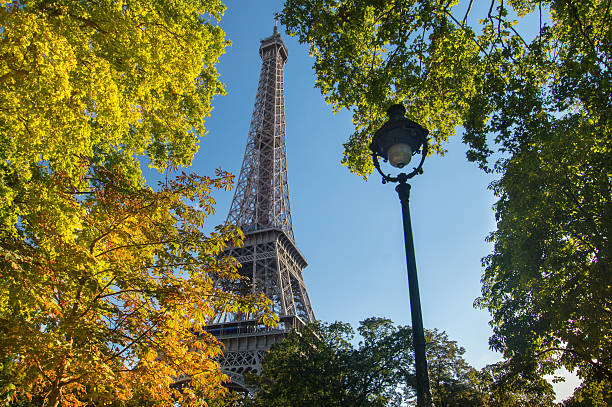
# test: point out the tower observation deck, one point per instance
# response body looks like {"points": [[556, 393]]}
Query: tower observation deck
{"points": [[270, 259]]}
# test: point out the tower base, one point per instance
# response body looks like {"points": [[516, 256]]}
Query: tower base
{"points": [[244, 346]]}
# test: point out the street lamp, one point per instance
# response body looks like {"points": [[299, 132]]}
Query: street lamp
{"points": [[397, 141]]}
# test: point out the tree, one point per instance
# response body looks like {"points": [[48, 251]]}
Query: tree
{"points": [[319, 365], [453, 381], [369, 54], [507, 388], [535, 108], [109, 81], [307, 368], [547, 282], [590, 394], [116, 307], [107, 282]]}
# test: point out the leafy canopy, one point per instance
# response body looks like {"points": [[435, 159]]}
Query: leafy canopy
{"points": [[107, 281], [370, 54], [106, 81], [322, 365], [116, 308], [535, 108]]}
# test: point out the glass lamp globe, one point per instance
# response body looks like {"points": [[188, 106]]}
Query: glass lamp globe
{"points": [[399, 155]]}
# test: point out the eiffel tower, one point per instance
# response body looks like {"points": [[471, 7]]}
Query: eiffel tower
{"points": [[270, 259]]}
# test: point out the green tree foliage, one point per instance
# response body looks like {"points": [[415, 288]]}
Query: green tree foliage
{"points": [[535, 108], [590, 394], [110, 80], [368, 54], [308, 368], [548, 281], [107, 282], [522, 388], [320, 365], [453, 381]]}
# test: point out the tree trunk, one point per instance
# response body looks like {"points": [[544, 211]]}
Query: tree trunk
{"points": [[55, 395]]}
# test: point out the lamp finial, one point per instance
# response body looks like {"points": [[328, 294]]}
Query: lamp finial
{"points": [[396, 112]]}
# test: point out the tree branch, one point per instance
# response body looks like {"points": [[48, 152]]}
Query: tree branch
{"points": [[589, 40], [97, 297], [466, 13], [486, 54], [132, 343], [598, 366], [490, 9], [135, 245]]}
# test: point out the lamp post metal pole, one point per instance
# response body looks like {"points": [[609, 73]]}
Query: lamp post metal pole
{"points": [[418, 334]]}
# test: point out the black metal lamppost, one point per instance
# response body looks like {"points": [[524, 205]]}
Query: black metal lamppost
{"points": [[397, 141]]}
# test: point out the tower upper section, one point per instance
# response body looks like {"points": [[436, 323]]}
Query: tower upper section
{"points": [[261, 200], [272, 45]]}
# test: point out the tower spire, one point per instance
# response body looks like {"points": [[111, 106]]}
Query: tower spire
{"points": [[261, 200]]}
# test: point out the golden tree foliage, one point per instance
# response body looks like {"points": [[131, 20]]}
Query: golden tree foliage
{"points": [[117, 306], [106, 282]]}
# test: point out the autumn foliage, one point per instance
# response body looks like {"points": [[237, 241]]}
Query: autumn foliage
{"points": [[106, 281], [113, 307]]}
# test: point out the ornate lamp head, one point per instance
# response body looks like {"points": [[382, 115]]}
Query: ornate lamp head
{"points": [[397, 141]]}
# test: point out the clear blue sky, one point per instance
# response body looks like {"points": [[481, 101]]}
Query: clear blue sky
{"points": [[350, 230]]}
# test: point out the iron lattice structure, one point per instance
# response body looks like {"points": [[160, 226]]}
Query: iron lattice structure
{"points": [[270, 260]]}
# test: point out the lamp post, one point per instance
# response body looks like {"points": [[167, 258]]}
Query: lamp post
{"points": [[397, 141]]}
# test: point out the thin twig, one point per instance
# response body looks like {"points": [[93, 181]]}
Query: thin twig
{"points": [[540, 30], [490, 9], [484, 51], [466, 13]]}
